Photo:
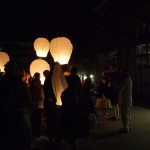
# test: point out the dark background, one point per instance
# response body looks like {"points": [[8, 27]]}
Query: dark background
{"points": [[27, 20]]}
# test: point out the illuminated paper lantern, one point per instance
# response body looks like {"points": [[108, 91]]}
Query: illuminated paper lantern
{"points": [[61, 49], [41, 46], [4, 58], [39, 65], [59, 83]]}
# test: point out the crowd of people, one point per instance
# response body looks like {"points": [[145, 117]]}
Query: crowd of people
{"points": [[25, 99]]}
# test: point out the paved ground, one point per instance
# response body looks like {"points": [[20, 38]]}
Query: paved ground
{"points": [[105, 135]]}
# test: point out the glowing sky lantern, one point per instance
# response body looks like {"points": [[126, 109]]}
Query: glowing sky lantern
{"points": [[4, 58], [61, 49], [39, 65], [41, 46]]}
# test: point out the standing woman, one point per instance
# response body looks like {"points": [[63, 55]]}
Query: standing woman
{"points": [[103, 101]]}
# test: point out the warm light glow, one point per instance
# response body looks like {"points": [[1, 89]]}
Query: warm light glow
{"points": [[61, 49], [4, 58], [84, 77], [66, 73], [41, 46], [2, 69], [39, 65]]}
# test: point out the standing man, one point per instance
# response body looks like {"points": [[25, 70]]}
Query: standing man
{"points": [[125, 96]]}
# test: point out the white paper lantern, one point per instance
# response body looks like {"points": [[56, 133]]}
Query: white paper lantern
{"points": [[59, 83], [39, 65], [4, 58], [61, 49], [41, 46]]}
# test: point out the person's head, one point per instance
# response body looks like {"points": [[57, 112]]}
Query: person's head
{"points": [[111, 66], [88, 81], [21, 74], [45, 73], [104, 75], [37, 75], [73, 70], [10, 66], [123, 70]]}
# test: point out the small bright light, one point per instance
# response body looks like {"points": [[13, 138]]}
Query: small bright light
{"points": [[91, 76], [2, 69], [84, 77]]}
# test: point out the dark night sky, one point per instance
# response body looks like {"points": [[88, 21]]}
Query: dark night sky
{"points": [[24, 21], [27, 20]]}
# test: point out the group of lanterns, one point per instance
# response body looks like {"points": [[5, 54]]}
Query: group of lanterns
{"points": [[61, 49]]}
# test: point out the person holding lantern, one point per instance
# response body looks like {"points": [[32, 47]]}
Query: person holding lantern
{"points": [[50, 109]]}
